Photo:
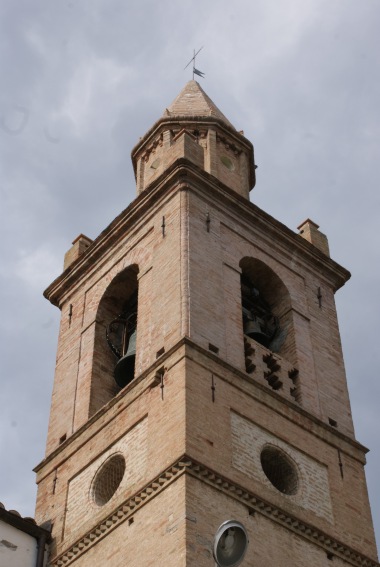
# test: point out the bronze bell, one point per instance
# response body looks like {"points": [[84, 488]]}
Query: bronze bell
{"points": [[252, 328], [125, 367]]}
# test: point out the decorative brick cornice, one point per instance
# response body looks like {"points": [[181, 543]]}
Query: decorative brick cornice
{"points": [[256, 504], [171, 180], [170, 122], [158, 142], [322, 430], [228, 144], [122, 513], [233, 490]]}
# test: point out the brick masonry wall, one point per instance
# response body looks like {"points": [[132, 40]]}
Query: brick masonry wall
{"points": [[189, 284], [232, 171], [318, 355], [269, 543], [328, 356], [81, 509], [149, 429], [155, 538], [159, 319], [217, 319], [167, 148], [248, 440], [209, 147], [312, 346], [326, 500]]}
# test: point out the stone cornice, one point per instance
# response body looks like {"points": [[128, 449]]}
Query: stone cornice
{"points": [[121, 513], [148, 379], [136, 388], [186, 465], [219, 194], [166, 123], [276, 514], [269, 398], [180, 176]]}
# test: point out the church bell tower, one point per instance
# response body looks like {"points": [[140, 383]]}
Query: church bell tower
{"points": [[200, 413]]}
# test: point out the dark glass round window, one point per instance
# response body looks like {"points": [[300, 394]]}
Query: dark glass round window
{"points": [[279, 469]]}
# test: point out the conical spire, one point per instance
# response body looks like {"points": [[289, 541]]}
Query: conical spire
{"points": [[193, 101], [192, 128]]}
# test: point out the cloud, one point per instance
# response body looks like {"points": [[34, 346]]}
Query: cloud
{"points": [[37, 267]]}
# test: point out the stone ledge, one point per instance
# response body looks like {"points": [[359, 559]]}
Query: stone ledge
{"points": [[233, 490], [122, 513], [326, 432], [183, 175], [256, 504]]}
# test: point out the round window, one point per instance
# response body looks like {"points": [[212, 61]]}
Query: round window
{"points": [[279, 469], [227, 162], [107, 480], [155, 163]]}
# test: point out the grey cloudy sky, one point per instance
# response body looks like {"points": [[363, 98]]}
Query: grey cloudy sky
{"points": [[82, 80]]}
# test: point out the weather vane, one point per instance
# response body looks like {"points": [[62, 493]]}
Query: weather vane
{"points": [[195, 71]]}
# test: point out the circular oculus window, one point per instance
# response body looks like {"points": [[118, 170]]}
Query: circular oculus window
{"points": [[155, 163], [280, 470], [107, 480], [227, 162]]}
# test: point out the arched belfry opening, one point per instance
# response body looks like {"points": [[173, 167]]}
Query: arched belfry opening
{"points": [[268, 328], [115, 338], [265, 305]]}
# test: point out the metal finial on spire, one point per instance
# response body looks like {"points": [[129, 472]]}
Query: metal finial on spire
{"points": [[195, 71]]}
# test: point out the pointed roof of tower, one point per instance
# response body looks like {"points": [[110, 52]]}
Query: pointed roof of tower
{"points": [[193, 101]]}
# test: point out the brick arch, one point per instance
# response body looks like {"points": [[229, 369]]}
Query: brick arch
{"points": [[121, 285], [249, 250], [139, 257], [120, 290], [268, 277], [275, 293]]}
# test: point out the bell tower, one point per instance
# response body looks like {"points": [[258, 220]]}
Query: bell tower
{"points": [[200, 412]]}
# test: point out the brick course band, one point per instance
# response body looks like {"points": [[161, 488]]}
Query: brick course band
{"points": [[199, 471]]}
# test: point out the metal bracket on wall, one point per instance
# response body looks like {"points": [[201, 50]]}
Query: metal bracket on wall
{"points": [[162, 385], [159, 380], [340, 464], [319, 295], [208, 221], [55, 480]]}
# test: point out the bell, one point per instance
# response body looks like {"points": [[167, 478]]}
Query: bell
{"points": [[252, 328], [125, 367]]}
